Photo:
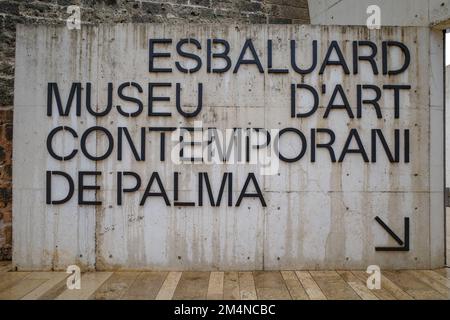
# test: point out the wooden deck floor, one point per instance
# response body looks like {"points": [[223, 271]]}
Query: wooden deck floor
{"points": [[297, 285]]}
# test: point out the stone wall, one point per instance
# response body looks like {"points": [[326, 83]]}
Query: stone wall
{"points": [[111, 11]]}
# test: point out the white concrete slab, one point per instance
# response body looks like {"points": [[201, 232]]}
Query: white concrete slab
{"points": [[319, 215]]}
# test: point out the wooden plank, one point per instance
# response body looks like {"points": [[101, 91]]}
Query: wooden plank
{"points": [[90, 282], [412, 286], [51, 279], [8, 279], [55, 291], [231, 286], [116, 286], [168, 287], [247, 289], [294, 286], [311, 287], [192, 286], [438, 277], [394, 289], [445, 272], [215, 286], [435, 284], [20, 288], [6, 266], [270, 286], [146, 286], [357, 285], [333, 286], [419, 284], [382, 293]]}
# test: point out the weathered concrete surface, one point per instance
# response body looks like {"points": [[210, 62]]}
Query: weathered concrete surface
{"points": [[49, 237], [447, 158], [50, 12], [431, 13], [319, 215], [417, 13]]}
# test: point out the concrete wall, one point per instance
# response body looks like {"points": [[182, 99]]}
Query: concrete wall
{"points": [[431, 13], [318, 215], [418, 13], [54, 12], [447, 158]]}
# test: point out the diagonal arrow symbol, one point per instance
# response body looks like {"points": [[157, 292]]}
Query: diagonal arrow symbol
{"points": [[404, 245]]}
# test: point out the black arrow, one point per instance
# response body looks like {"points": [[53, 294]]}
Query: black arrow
{"points": [[404, 246]]}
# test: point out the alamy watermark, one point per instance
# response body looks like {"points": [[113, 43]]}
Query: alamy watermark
{"points": [[74, 20], [374, 19], [374, 280], [213, 146], [74, 280]]}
